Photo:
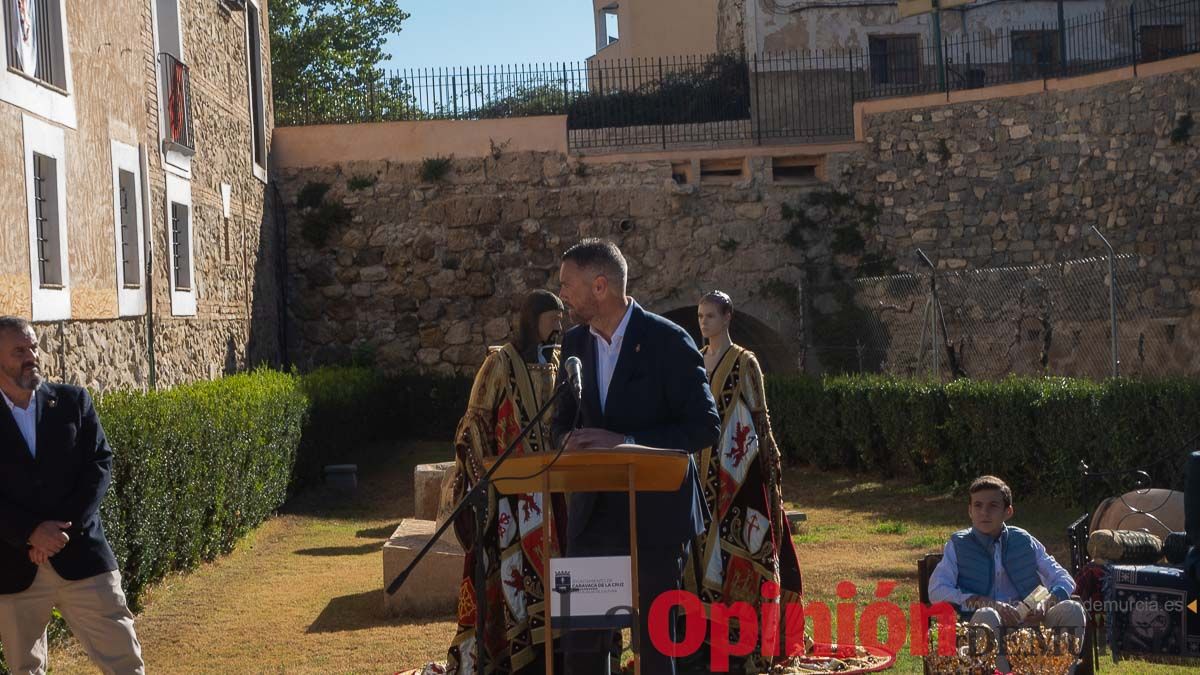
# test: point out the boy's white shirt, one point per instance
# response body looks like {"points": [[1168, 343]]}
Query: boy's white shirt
{"points": [[943, 583]]}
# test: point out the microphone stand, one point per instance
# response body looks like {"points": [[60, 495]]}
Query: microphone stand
{"points": [[477, 499]]}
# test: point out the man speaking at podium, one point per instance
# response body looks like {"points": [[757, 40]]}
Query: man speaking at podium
{"points": [[643, 383]]}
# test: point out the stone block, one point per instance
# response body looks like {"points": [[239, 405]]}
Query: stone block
{"points": [[796, 521], [427, 488], [432, 588]]}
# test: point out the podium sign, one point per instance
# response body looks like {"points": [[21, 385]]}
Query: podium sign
{"points": [[591, 592], [908, 8]]}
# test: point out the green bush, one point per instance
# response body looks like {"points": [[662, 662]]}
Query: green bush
{"points": [[195, 468], [1031, 431]]}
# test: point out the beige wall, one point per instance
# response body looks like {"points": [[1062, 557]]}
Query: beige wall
{"points": [[328, 145], [115, 91], [651, 28]]}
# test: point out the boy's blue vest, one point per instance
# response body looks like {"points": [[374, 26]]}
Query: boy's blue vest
{"points": [[976, 564]]}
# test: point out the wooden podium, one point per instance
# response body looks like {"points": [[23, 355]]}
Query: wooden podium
{"points": [[625, 468]]}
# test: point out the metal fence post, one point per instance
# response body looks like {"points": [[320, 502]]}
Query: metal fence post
{"points": [[1133, 39], [566, 96], [1112, 301], [662, 98], [1062, 40], [937, 38], [373, 114], [754, 82]]}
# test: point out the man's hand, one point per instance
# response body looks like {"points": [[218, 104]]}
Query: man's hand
{"points": [[1008, 614], [1035, 615], [1039, 613], [591, 439], [49, 536], [976, 602], [38, 557]]}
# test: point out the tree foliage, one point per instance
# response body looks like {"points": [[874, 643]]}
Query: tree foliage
{"points": [[322, 49]]}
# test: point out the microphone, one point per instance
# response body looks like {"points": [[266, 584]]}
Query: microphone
{"points": [[574, 368]]}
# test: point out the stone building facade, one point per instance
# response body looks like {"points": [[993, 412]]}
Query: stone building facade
{"points": [[133, 186], [425, 268]]}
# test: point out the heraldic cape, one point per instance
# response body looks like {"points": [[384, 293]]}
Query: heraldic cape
{"points": [[506, 395], [746, 541]]}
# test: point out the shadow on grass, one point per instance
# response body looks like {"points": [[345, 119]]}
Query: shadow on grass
{"points": [[384, 532], [351, 612], [362, 611], [329, 551]]}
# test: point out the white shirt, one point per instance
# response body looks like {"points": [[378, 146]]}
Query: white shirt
{"points": [[607, 352], [943, 583], [26, 419]]}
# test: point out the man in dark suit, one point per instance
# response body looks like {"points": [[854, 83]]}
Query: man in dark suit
{"points": [[54, 471], [643, 383]]}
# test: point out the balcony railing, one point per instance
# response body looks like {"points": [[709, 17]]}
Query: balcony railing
{"points": [[177, 105]]}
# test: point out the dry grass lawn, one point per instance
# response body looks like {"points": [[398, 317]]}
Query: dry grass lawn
{"points": [[303, 593]]}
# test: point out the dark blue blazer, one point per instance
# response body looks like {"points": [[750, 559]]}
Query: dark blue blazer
{"points": [[659, 394], [66, 481]]}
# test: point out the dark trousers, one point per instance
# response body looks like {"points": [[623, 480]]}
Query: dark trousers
{"points": [[660, 570]]}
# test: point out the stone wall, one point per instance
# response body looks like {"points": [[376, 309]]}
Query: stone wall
{"points": [[424, 274], [1020, 180], [429, 273]]}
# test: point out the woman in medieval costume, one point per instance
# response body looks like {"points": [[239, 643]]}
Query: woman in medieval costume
{"points": [[747, 542], [513, 383]]}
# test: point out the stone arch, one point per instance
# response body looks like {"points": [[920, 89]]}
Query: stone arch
{"points": [[776, 354]]}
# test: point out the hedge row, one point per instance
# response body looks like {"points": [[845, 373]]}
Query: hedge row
{"points": [[195, 468], [1033, 432]]}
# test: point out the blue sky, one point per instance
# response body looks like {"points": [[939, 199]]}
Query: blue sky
{"points": [[485, 32]]}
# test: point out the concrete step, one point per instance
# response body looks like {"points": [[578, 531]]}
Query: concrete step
{"points": [[432, 589]]}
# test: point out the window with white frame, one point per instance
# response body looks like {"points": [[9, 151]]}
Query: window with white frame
{"points": [[35, 65], [35, 40], [129, 238], [180, 237], [258, 121], [46, 198]]}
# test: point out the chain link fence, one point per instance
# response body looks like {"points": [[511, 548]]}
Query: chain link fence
{"points": [[1051, 319]]}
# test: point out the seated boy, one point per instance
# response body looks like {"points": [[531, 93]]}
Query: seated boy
{"points": [[989, 568]]}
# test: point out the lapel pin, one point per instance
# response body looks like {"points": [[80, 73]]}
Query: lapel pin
{"points": [[637, 348], [52, 402]]}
